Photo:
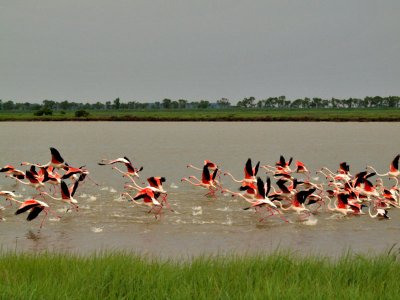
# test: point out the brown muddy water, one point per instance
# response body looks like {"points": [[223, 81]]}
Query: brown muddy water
{"points": [[199, 225]]}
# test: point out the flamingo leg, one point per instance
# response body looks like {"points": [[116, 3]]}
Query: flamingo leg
{"points": [[43, 220]]}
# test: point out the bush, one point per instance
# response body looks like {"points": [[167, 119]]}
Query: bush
{"points": [[81, 113], [44, 111], [38, 113]]}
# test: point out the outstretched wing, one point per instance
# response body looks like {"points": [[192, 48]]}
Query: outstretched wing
{"points": [[55, 156], [206, 174], [65, 194], [260, 187], [34, 212]]}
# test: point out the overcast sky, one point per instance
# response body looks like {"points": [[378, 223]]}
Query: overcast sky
{"points": [[97, 50]]}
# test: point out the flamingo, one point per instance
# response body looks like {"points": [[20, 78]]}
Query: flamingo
{"points": [[380, 213], [283, 166], [156, 185], [262, 199], [262, 194], [297, 203], [131, 170], [393, 170], [9, 196], [35, 181], [392, 195], [249, 180], [149, 199], [250, 173], [56, 161], [210, 165], [343, 173], [342, 206], [207, 181], [35, 207], [13, 172], [301, 168], [365, 187], [67, 194]]}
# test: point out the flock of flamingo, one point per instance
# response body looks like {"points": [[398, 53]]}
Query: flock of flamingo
{"points": [[292, 189]]}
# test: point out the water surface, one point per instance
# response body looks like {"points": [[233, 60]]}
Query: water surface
{"points": [[199, 225]]}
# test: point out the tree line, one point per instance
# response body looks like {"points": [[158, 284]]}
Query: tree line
{"points": [[280, 102]]}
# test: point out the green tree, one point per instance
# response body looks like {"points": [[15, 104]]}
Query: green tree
{"points": [[204, 104], [166, 103], [8, 105], [182, 103], [224, 102], [50, 104], [117, 103], [175, 104]]}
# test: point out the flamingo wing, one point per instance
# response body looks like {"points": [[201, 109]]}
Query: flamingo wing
{"points": [[55, 156], [7, 168], [260, 187], [214, 174], [27, 205], [152, 181], [65, 194], [302, 195], [31, 177], [205, 175], [342, 199], [282, 161], [281, 184], [344, 167], [256, 168], [268, 186], [248, 169], [394, 166], [36, 210], [74, 188]]}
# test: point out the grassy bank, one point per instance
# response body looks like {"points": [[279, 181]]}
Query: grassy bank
{"points": [[215, 115], [125, 276]]}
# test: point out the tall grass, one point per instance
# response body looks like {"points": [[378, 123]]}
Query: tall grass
{"points": [[128, 276]]}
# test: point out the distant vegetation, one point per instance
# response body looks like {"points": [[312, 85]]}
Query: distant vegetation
{"points": [[248, 109], [251, 103]]}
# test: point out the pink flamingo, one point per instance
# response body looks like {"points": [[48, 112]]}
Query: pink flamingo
{"points": [[56, 161], [393, 172], [131, 170], [35, 207], [207, 181], [67, 194]]}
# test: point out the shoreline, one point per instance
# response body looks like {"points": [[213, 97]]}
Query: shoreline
{"points": [[211, 119], [228, 115]]}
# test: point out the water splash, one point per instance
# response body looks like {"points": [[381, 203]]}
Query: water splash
{"points": [[310, 221], [92, 198], [173, 186], [197, 211], [96, 229]]}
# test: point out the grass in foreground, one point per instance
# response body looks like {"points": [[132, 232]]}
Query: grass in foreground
{"points": [[126, 276], [371, 114]]}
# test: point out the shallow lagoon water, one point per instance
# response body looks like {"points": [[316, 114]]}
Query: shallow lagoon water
{"points": [[199, 225]]}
